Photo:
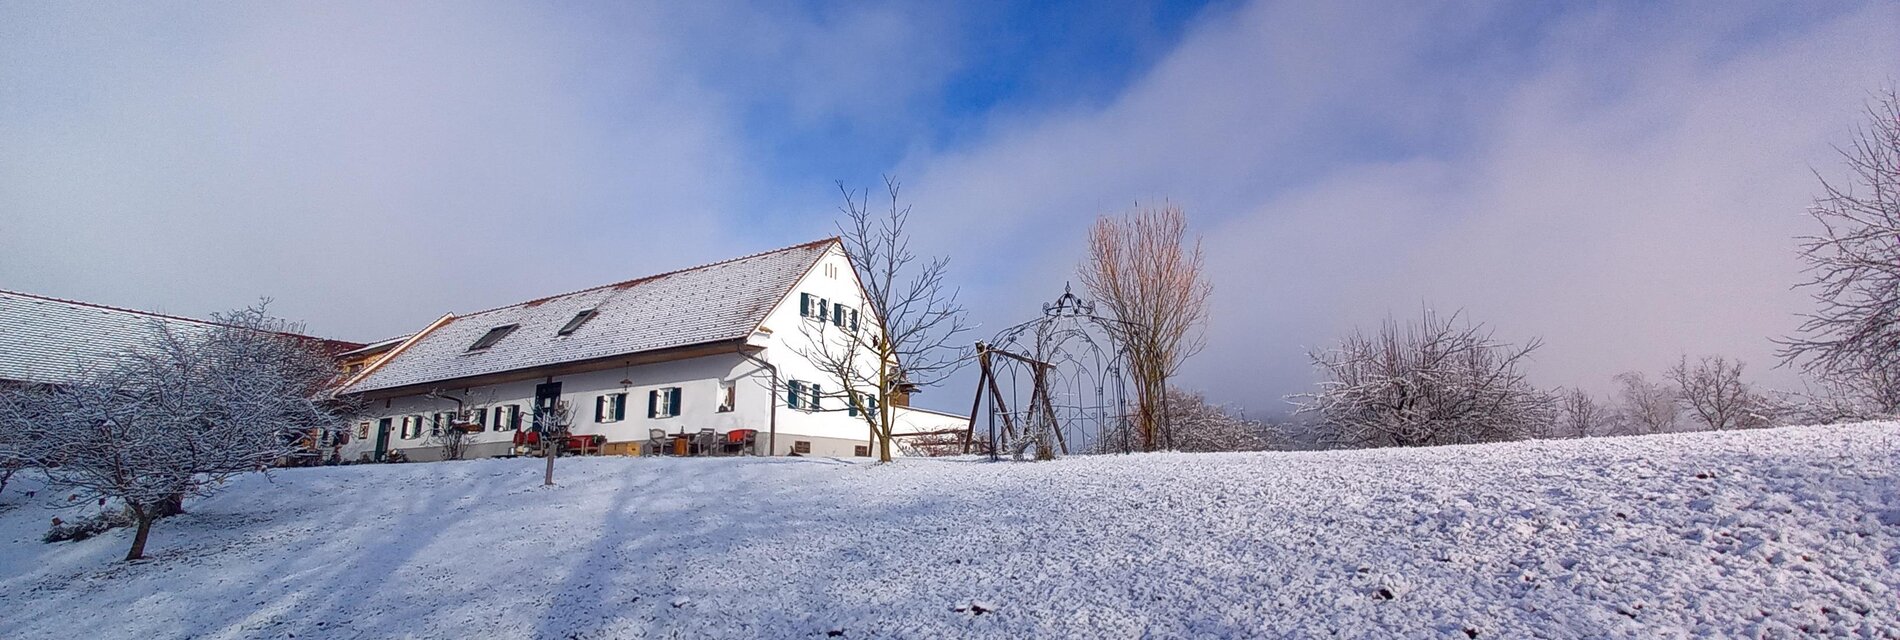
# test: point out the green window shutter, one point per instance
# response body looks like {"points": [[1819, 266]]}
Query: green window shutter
{"points": [[854, 319], [816, 401], [804, 305], [600, 408], [675, 408], [620, 407], [792, 391], [653, 404], [850, 406]]}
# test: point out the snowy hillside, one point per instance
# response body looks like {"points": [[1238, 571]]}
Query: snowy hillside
{"points": [[1760, 533]]}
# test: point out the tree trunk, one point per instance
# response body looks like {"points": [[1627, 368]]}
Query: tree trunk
{"points": [[883, 430], [547, 447], [144, 532]]}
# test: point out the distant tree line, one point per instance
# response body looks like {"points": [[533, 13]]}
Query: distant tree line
{"points": [[1446, 380]]}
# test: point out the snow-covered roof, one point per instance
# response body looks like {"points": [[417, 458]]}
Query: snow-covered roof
{"points": [[711, 303], [377, 346], [50, 340]]}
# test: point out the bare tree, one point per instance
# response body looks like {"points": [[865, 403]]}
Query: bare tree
{"points": [[462, 430], [1581, 415], [1141, 267], [1644, 407], [551, 424], [906, 338], [1713, 391], [456, 437], [180, 415], [1428, 382], [1852, 341]]}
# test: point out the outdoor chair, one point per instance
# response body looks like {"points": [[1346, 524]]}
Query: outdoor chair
{"points": [[704, 441], [739, 442], [656, 442]]}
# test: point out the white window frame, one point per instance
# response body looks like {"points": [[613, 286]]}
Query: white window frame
{"points": [[610, 405], [663, 402], [728, 396], [512, 412]]}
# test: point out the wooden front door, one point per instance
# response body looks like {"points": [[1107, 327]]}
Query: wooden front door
{"points": [[382, 438]]}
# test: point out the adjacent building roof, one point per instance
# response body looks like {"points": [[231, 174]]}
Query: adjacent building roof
{"points": [[55, 341], [711, 303]]}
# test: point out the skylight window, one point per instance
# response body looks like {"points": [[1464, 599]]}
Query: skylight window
{"points": [[493, 336], [579, 319]]}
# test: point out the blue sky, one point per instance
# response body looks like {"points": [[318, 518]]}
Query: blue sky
{"points": [[1620, 179]]}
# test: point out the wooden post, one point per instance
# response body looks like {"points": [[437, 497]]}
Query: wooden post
{"points": [[983, 373]]}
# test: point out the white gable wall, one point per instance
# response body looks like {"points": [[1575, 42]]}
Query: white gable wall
{"points": [[789, 338]]}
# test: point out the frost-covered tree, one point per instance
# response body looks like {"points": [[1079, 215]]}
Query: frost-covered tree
{"points": [[1851, 342], [1430, 381], [1643, 406], [16, 406], [179, 415], [1714, 393], [1581, 415]]}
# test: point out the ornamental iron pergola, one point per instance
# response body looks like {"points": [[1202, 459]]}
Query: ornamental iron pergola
{"points": [[1057, 384]]}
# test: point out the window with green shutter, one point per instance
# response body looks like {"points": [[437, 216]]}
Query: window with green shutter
{"points": [[611, 407], [663, 403], [793, 392]]}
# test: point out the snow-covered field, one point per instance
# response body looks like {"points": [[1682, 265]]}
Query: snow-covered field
{"points": [[1785, 532]]}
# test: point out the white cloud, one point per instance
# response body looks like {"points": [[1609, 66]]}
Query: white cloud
{"points": [[1626, 188]]}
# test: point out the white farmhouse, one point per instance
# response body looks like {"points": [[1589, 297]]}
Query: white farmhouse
{"points": [[712, 347]]}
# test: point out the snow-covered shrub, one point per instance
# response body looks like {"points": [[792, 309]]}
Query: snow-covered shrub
{"points": [[86, 527], [1199, 425], [1430, 381], [1194, 424]]}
